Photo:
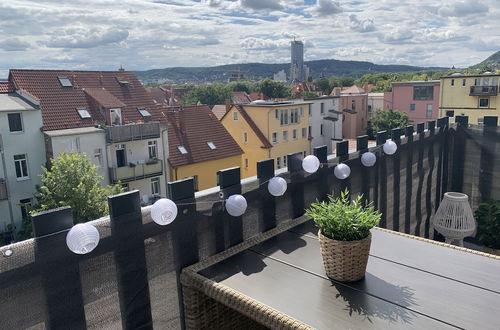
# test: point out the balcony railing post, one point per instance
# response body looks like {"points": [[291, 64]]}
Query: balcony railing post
{"points": [[130, 259], [380, 197], [342, 153], [487, 157], [421, 173], [230, 184], [294, 162], [59, 269], [409, 177], [323, 188], [396, 177], [365, 172], [267, 211], [184, 231], [431, 126]]}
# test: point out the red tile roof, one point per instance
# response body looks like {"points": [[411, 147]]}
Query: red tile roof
{"points": [[258, 96], [219, 110], [59, 104], [353, 90], [240, 98], [6, 87], [253, 126], [192, 127], [166, 93]]}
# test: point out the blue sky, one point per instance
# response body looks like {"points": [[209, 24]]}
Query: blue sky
{"points": [[145, 34]]}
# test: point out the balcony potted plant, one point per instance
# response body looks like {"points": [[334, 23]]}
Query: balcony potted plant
{"points": [[488, 226], [344, 235]]}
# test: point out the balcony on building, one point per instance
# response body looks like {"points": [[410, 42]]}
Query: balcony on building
{"points": [[483, 90], [132, 132], [3, 190], [137, 171]]}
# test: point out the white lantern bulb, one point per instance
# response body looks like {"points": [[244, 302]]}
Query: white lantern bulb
{"points": [[368, 159], [342, 171], [277, 186], [390, 147], [310, 164], [82, 238], [164, 211], [236, 205]]}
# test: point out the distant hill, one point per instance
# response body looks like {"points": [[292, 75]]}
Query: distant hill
{"points": [[257, 71], [492, 63]]}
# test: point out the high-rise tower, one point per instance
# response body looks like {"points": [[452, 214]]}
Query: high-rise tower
{"points": [[297, 61]]}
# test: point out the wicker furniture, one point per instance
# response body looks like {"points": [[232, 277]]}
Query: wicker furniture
{"points": [[280, 283]]}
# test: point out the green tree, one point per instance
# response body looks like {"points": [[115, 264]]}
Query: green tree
{"points": [[152, 84], [385, 120], [211, 94], [323, 84], [273, 89], [307, 95], [72, 180], [242, 86], [341, 82]]}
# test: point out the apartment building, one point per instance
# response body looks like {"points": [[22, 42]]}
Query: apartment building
{"points": [[22, 155], [266, 130], [354, 108], [109, 116], [475, 96], [418, 99]]}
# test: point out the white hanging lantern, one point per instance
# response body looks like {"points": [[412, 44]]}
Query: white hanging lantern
{"points": [[342, 171], [236, 205], [390, 147], [277, 186], [454, 219], [310, 164], [163, 211], [82, 238], [368, 159]]}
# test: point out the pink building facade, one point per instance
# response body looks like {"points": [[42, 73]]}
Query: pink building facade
{"points": [[418, 99]]}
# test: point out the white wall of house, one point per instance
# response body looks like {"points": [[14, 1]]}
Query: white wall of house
{"points": [[324, 130], [26, 143]]}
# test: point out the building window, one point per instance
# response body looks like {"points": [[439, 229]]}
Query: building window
{"points": [[182, 150], [115, 116], [285, 136], [423, 93], [65, 82], [275, 137], [284, 161], [278, 162], [477, 82], [369, 108], [321, 129], [310, 131], [83, 113], [463, 82], [152, 149], [322, 108], [480, 121], [294, 116], [305, 153], [195, 182], [246, 162], [125, 187], [98, 157], [301, 112], [155, 186], [277, 114], [26, 206], [144, 112], [15, 122], [486, 81], [353, 105], [450, 113], [235, 115], [211, 145], [484, 103], [412, 107], [21, 164], [74, 145], [429, 111], [494, 82], [295, 134], [452, 82], [121, 155], [245, 137], [304, 132]]}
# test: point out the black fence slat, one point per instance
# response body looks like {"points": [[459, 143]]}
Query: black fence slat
{"points": [[487, 162], [323, 188], [230, 184], [396, 178], [294, 162], [267, 212], [343, 155], [421, 173], [362, 147], [428, 196], [409, 178], [459, 152], [381, 180]]}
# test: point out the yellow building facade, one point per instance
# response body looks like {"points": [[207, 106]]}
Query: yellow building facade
{"points": [[268, 130], [475, 96]]}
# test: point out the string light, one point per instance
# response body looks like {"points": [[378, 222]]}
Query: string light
{"points": [[310, 164], [368, 159], [236, 205], [277, 186], [164, 211], [390, 147], [342, 171], [82, 238]]}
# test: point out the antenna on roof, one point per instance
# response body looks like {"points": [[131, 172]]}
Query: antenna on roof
{"points": [[121, 68]]}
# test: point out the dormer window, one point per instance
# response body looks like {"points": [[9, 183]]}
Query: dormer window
{"points": [[65, 82], [115, 115], [84, 113], [122, 81], [211, 145], [182, 150], [144, 112]]}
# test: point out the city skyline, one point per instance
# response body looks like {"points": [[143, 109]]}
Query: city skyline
{"points": [[146, 34]]}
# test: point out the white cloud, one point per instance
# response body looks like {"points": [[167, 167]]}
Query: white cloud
{"points": [[14, 44], [365, 25], [462, 8], [263, 44], [261, 4], [86, 38], [325, 8]]}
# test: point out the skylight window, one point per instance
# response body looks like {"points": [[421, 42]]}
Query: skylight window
{"points": [[144, 112], [182, 150], [65, 82], [122, 81], [211, 145], [84, 113]]}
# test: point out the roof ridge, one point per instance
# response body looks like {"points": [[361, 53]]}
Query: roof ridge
{"points": [[253, 126]]}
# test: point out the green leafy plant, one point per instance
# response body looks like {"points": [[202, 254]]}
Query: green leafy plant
{"points": [[488, 224], [344, 219]]}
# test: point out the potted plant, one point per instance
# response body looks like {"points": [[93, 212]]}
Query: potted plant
{"points": [[488, 226], [344, 235]]}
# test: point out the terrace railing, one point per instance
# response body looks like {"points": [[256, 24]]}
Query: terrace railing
{"points": [[131, 280], [132, 132]]}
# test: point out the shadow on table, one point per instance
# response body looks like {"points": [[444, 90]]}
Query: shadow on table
{"points": [[245, 262], [370, 305]]}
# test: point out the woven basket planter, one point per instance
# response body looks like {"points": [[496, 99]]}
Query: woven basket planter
{"points": [[345, 261]]}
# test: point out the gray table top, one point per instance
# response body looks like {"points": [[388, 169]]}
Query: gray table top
{"points": [[409, 284]]}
